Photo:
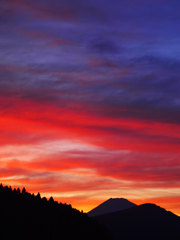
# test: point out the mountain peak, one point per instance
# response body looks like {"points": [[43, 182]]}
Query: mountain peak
{"points": [[111, 205], [117, 199], [146, 221]]}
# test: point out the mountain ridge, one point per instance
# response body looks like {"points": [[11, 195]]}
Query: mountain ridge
{"points": [[145, 221], [111, 205]]}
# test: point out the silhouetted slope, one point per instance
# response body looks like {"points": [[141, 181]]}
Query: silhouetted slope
{"points": [[26, 216], [147, 221], [111, 205]]}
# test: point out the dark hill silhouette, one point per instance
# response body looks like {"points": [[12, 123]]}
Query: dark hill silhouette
{"points": [[28, 216], [111, 205], [146, 221]]}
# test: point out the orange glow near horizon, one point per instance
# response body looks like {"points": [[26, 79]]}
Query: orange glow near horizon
{"points": [[80, 163]]}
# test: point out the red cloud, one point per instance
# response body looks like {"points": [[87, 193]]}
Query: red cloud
{"points": [[26, 116], [149, 162]]}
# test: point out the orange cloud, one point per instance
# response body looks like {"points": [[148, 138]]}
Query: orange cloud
{"points": [[67, 151]]}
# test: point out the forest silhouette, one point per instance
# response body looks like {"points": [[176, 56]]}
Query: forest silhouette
{"points": [[29, 216]]}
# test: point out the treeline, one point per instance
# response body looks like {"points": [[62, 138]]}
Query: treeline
{"points": [[28, 216]]}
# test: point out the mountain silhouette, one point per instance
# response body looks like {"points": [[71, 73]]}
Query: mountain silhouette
{"points": [[147, 221], [111, 205], [28, 216]]}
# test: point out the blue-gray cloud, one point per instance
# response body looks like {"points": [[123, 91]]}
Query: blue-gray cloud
{"points": [[133, 49]]}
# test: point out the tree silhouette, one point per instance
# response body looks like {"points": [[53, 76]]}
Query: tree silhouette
{"points": [[51, 200], [38, 196], [42, 219], [18, 190], [23, 190]]}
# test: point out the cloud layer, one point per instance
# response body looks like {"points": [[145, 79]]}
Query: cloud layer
{"points": [[89, 99]]}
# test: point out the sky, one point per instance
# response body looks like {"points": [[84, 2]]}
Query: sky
{"points": [[89, 100]]}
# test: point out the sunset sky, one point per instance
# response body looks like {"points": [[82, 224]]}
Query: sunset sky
{"points": [[90, 100]]}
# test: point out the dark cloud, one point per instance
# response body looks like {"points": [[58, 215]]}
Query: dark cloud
{"points": [[157, 61], [101, 45], [137, 112]]}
